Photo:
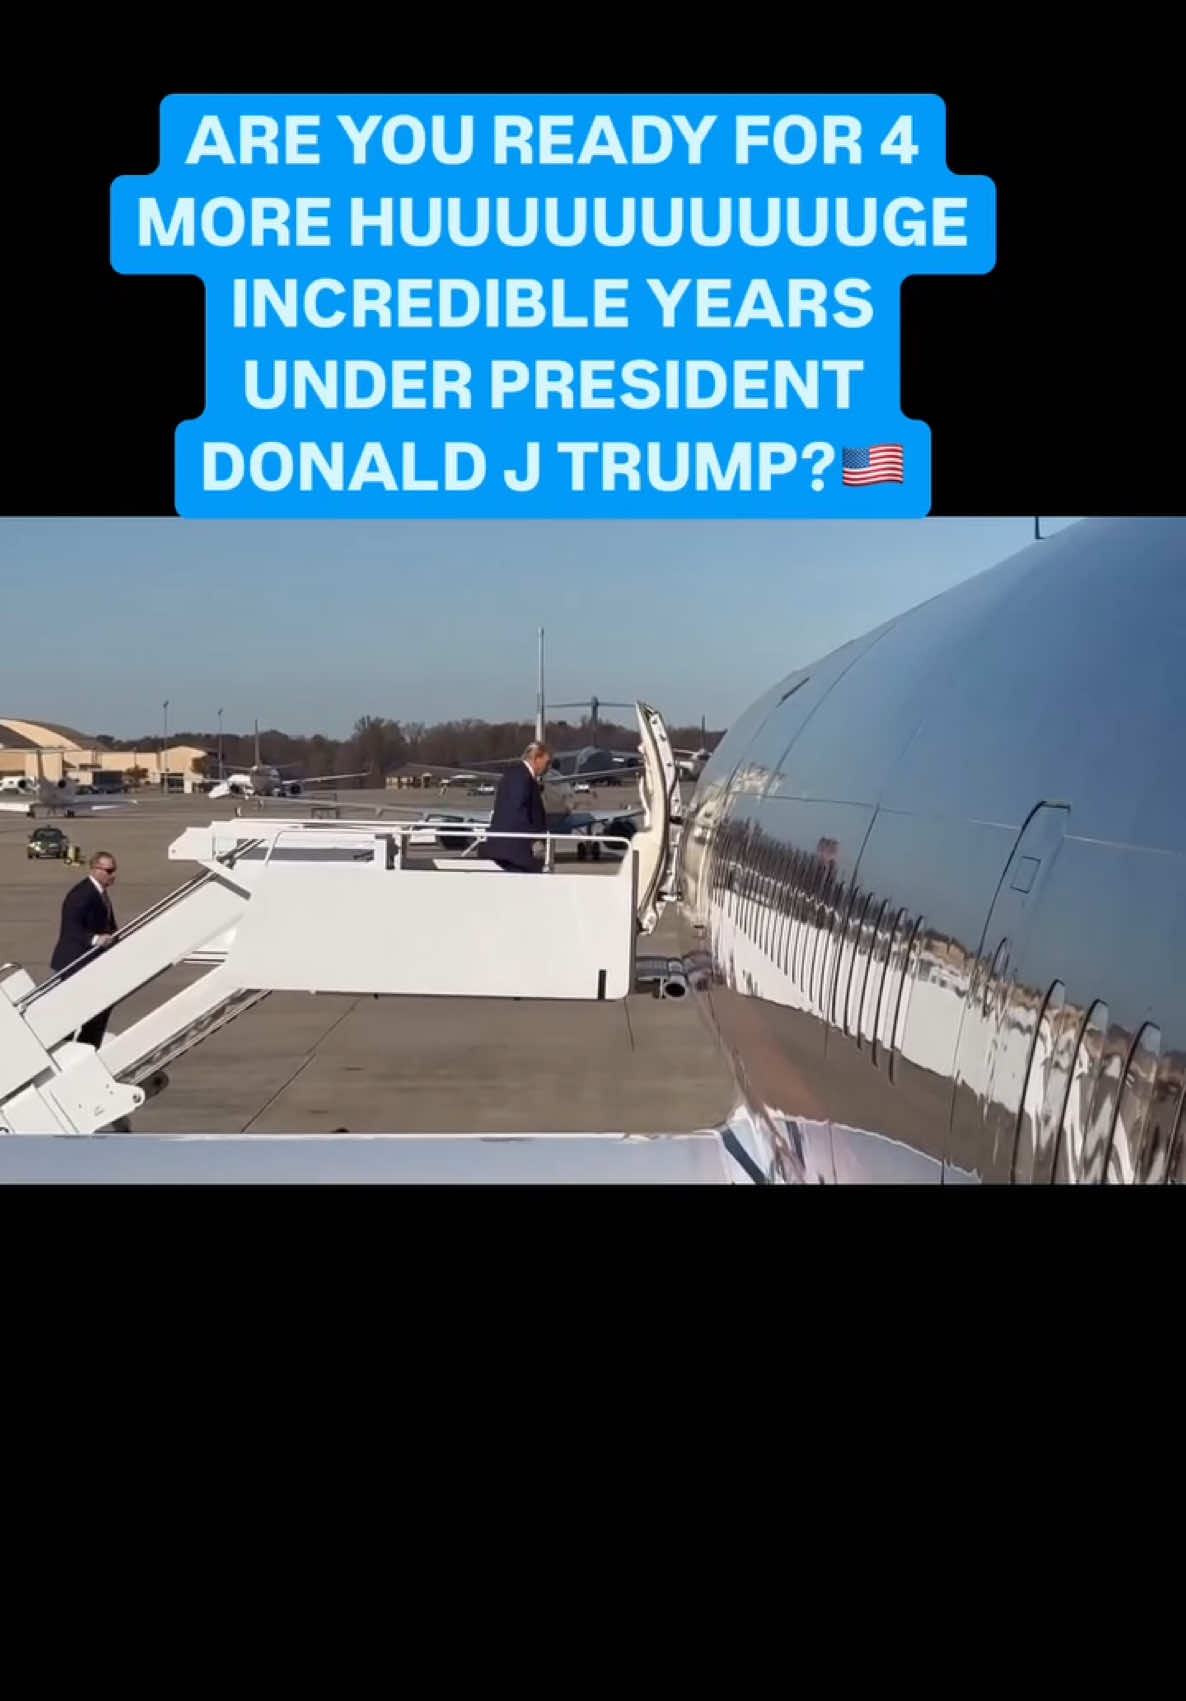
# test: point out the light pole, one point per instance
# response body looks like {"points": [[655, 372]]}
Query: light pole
{"points": [[164, 739], [541, 713], [220, 744]]}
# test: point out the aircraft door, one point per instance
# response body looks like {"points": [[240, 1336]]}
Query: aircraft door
{"points": [[654, 843], [999, 1029]]}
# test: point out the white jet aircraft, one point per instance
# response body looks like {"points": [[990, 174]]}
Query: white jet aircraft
{"points": [[21, 794], [264, 779]]}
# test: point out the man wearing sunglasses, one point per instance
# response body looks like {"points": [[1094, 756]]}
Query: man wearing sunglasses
{"points": [[88, 925]]}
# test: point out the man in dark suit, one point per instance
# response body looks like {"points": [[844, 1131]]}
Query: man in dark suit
{"points": [[88, 923], [519, 808]]}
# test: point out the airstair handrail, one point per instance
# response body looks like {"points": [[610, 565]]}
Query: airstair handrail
{"points": [[478, 831], [96, 951], [129, 929]]}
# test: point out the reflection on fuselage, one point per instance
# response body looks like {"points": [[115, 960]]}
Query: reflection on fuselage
{"points": [[938, 883]]}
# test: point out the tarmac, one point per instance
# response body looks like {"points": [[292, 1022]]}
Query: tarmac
{"points": [[298, 1064]]}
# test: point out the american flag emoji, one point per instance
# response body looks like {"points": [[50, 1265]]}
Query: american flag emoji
{"points": [[882, 464]]}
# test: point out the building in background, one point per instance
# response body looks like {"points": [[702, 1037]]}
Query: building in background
{"points": [[65, 753]]}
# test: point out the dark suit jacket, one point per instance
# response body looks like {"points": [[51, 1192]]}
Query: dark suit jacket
{"points": [[518, 808], [85, 912]]}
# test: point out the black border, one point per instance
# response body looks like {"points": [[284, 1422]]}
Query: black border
{"points": [[1049, 384]]}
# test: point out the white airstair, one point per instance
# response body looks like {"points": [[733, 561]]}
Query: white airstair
{"points": [[296, 906], [661, 836], [329, 907]]}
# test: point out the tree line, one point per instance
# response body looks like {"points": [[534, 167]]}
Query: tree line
{"points": [[378, 746]]}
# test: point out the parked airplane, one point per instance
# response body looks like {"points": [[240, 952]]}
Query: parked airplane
{"points": [[24, 794], [266, 780], [937, 883]]}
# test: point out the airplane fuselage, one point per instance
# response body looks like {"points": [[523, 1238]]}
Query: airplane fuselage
{"points": [[935, 884], [257, 782]]}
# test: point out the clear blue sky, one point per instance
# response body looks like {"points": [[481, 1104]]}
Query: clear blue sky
{"points": [[309, 625]]}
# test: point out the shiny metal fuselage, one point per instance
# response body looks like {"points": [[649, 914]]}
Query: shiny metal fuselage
{"points": [[937, 882]]}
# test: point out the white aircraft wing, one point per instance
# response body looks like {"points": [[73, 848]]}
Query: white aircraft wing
{"points": [[703, 1157], [282, 767], [438, 771], [41, 806]]}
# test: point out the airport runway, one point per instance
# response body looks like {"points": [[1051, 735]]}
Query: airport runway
{"points": [[298, 1064]]}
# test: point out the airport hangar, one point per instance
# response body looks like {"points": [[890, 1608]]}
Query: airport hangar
{"points": [[66, 754]]}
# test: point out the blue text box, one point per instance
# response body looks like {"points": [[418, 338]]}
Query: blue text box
{"points": [[561, 307]]}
